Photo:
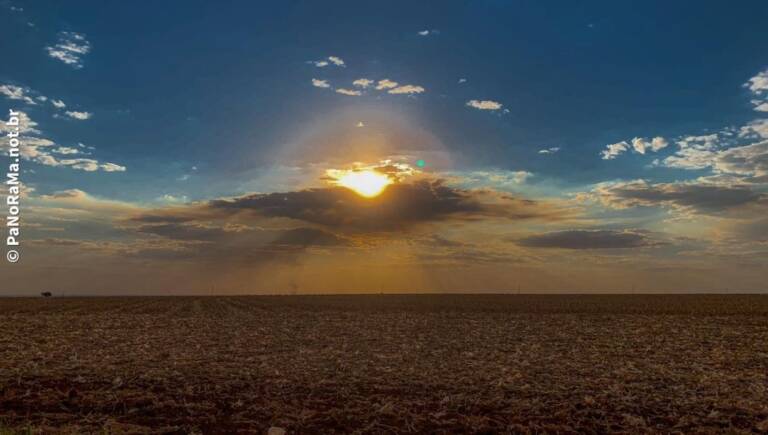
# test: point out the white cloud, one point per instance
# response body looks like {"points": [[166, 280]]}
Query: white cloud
{"points": [[550, 150], [760, 106], [755, 129], [427, 32], [81, 116], [36, 148], [749, 160], [112, 167], [386, 84], [611, 151], [462, 80], [641, 145], [350, 92], [423, 32], [701, 142], [28, 96], [484, 104], [707, 151], [690, 158], [363, 83], [335, 60], [759, 83], [320, 83], [70, 48], [26, 125], [17, 93], [172, 198], [407, 89], [66, 150]]}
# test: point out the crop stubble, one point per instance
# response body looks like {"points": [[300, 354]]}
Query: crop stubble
{"points": [[385, 364]]}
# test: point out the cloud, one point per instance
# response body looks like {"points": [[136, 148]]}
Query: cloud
{"points": [[484, 104], [694, 152], [613, 150], [350, 92], [702, 142], [695, 196], [550, 150], [700, 152], [760, 106], [305, 237], [589, 239], [320, 83], [427, 32], [363, 83], [36, 148], [58, 104], [400, 206], [498, 179], [81, 116], [759, 83], [88, 165], [66, 150], [638, 144], [755, 129], [462, 80], [407, 89], [17, 93], [111, 167], [334, 60], [385, 84], [749, 160], [70, 48]]}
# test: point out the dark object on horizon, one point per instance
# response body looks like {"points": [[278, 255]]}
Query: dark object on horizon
{"points": [[46, 294]]}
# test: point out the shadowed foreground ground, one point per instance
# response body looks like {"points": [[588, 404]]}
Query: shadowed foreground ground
{"points": [[386, 364]]}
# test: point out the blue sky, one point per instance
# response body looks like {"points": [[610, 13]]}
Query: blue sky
{"points": [[182, 103]]}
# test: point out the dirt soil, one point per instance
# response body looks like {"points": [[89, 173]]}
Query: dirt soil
{"points": [[385, 364]]}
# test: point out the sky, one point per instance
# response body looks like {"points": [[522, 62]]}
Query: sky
{"points": [[195, 148]]}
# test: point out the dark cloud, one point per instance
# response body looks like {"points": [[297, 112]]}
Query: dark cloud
{"points": [[167, 217], [399, 206], [469, 256], [305, 237], [240, 235], [196, 232], [705, 198], [589, 239]]}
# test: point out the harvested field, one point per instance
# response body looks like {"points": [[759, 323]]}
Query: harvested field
{"points": [[385, 364]]}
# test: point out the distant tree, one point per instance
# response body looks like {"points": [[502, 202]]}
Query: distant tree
{"points": [[46, 294]]}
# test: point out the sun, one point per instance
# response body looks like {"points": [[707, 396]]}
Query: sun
{"points": [[365, 183]]}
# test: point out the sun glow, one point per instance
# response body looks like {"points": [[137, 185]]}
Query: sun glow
{"points": [[365, 183]]}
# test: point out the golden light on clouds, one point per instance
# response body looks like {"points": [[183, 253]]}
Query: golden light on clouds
{"points": [[370, 180], [368, 183]]}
